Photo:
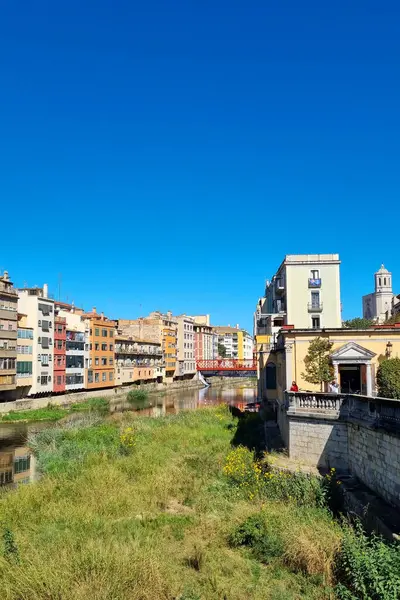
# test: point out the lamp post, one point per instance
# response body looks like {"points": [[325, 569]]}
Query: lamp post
{"points": [[389, 346]]}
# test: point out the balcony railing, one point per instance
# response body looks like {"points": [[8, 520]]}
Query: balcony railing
{"points": [[314, 283], [279, 286], [315, 307]]}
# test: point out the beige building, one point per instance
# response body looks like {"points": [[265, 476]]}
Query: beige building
{"points": [[137, 360], [355, 357], [157, 327], [304, 292], [237, 342], [24, 357], [8, 336], [186, 366], [39, 311]]}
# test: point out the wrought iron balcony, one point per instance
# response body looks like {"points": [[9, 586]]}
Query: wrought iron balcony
{"points": [[314, 283], [315, 307]]}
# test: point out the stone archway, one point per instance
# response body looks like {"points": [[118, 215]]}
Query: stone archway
{"points": [[352, 355]]}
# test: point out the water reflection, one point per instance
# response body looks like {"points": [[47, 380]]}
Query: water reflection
{"points": [[17, 463], [175, 401]]}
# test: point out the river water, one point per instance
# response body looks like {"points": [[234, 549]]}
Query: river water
{"points": [[17, 464]]}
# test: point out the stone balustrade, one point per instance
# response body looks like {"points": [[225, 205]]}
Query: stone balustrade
{"points": [[376, 412]]}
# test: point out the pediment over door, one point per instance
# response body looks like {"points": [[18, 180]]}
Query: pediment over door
{"points": [[352, 352]]}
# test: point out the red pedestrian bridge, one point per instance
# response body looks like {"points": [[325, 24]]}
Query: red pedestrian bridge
{"points": [[227, 364]]}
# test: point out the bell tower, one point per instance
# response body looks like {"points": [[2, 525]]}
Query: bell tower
{"points": [[383, 292]]}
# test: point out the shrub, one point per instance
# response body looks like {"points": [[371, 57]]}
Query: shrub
{"points": [[367, 567], [100, 405], [127, 440], [254, 533], [138, 398], [301, 488], [243, 471], [388, 378]]}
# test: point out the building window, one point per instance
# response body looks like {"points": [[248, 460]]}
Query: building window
{"points": [[315, 299], [96, 377], [314, 274], [315, 322], [110, 361], [104, 347], [111, 376], [104, 376], [22, 464], [104, 332], [104, 361], [111, 347], [96, 361], [111, 333], [270, 376], [97, 332], [43, 380], [90, 376], [58, 379]]}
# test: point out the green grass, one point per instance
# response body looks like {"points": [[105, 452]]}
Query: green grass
{"points": [[153, 519], [50, 413], [54, 413], [138, 398]]}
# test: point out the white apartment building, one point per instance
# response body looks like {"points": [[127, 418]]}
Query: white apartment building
{"points": [[378, 305], [247, 346], [39, 311], [76, 348], [304, 292], [186, 362]]}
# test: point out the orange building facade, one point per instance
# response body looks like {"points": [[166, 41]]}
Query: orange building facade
{"points": [[101, 351]]}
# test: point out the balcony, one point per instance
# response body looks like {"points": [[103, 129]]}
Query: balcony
{"points": [[315, 307], [279, 286], [8, 313], [8, 334], [8, 352], [314, 283]]}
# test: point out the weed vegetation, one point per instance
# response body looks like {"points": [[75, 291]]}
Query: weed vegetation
{"points": [[54, 413], [137, 508]]}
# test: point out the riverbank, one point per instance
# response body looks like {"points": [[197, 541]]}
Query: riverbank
{"points": [[137, 508], [62, 402]]}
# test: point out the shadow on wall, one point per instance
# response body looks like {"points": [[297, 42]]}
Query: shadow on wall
{"points": [[255, 433]]}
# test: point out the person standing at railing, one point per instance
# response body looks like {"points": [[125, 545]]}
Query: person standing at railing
{"points": [[295, 387], [334, 387]]}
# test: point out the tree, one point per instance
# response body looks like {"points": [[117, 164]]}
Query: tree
{"points": [[358, 323], [317, 363], [388, 378], [221, 351]]}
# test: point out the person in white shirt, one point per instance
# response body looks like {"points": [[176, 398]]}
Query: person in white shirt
{"points": [[334, 387]]}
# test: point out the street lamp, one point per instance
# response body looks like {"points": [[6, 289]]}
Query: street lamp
{"points": [[389, 346]]}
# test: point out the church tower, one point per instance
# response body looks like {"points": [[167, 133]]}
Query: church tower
{"points": [[383, 293]]}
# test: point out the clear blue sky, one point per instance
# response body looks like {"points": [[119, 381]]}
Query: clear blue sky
{"points": [[166, 155]]}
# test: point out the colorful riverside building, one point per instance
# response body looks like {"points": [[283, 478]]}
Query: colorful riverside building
{"points": [[157, 327], [38, 307], [24, 357], [59, 363], [77, 346], [137, 361], [8, 336], [101, 350]]}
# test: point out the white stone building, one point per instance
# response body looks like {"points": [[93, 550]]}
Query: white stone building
{"points": [[186, 362], [378, 305], [304, 292], [39, 311]]}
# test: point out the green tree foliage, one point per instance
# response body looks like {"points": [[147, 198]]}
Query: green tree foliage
{"points": [[358, 323], [393, 320], [317, 363], [388, 378], [221, 350]]}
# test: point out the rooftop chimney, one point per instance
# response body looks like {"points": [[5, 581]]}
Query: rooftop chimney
{"points": [[45, 290], [94, 309], [5, 276], [237, 326], [102, 316]]}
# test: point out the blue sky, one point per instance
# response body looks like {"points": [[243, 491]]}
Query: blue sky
{"points": [[166, 155]]}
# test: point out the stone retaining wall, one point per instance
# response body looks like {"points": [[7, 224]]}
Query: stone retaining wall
{"points": [[118, 392]]}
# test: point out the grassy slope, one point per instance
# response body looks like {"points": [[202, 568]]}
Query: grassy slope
{"points": [[151, 525]]}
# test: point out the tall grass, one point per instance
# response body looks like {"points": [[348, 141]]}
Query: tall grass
{"points": [[140, 509]]}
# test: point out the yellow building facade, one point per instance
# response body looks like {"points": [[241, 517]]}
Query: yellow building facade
{"points": [[355, 356]]}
